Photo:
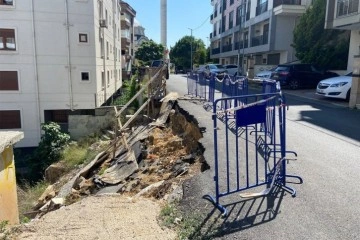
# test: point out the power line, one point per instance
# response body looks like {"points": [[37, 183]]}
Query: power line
{"points": [[201, 24]]}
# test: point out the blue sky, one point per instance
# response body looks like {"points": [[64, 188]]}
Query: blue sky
{"points": [[181, 15]]}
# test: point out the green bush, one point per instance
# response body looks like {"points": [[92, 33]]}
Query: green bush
{"points": [[49, 150]]}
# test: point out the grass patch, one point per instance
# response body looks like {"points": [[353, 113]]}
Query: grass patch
{"points": [[75, 155], [28, 196], [187, 227]]}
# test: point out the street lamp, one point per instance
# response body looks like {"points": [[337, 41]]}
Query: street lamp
{"points": [[191, 50]]}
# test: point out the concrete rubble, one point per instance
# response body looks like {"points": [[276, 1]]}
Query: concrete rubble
{"points": [[162, 155]]}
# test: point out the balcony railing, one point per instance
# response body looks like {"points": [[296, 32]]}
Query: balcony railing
{"points": [[227, 48], [259, 40], [241, 44], [215, 51], [346, 7], [261, 8], [286, 2]]}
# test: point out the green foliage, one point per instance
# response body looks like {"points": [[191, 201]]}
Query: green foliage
{"points": [[75, 155], [3, 225], [130, 88], [149, 51], [49, 150], [326, 48], [180, 54]]}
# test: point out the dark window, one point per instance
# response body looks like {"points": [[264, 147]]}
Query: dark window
{"points": [[273, 59], [85, 76], [9, 81], [10, 119], [7, 2], [83, 37], [7, 39]]}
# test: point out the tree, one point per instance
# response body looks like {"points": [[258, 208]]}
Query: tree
{"points": [[313, 44], [149, 51], [180, 54]]}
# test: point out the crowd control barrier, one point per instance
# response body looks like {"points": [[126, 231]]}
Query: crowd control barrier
{"points": [[256, 157]]}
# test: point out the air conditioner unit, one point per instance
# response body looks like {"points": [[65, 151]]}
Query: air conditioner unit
{"points": [[103, 23]]}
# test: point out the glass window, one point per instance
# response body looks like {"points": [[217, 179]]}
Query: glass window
{"points": [[7, 2], [85, 76], [83, 37], [7, 39], [10, 119], [9, 81]]}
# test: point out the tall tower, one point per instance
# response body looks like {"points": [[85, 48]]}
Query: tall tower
{"points": [[163, 19]]}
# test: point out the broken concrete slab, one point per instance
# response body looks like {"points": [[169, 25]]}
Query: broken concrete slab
{"points": [[54, 172], [111, 189], [149, 188], [120, 170], [66, 189]]}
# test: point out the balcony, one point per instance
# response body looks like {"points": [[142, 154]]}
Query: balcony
{"points": [[261, 8], [215, 51], [227, 48], [289, 7], [125, 22], [241, 44], [211, 17], [259, 40], [347, 7], [286, 2]]}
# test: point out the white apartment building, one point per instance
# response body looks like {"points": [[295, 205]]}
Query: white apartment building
{"points": [[57, 58], [257, 30]]}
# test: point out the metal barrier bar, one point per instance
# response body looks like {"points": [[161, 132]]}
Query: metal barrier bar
{"points": [[247, 161]]}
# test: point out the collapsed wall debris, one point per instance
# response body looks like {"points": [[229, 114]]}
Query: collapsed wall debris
{"points": [[158, 157]]}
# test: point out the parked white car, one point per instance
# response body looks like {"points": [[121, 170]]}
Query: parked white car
{"points": [[232, 69], [336, 87], [265, 74]]}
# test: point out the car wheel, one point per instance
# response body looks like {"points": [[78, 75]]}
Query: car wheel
{"points": [[348, 95], [294, 84]]}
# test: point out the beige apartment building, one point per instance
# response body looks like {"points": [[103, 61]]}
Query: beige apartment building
{"points": [[259, 33]]}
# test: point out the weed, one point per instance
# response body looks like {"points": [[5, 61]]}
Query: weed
{"points": [[168, 214], [3, 225], [28, 196], [74, 155]]}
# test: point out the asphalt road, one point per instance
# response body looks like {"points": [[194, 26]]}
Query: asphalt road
{"points": [[326, 136]]}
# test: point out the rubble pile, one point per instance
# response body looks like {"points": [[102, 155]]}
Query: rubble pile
{"points": [[161, 156]]}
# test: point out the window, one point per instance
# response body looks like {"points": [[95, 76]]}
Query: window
{"points": [[10, 119], [9, 81], [83, 37], [7, 2], [7, 39], [85, 76], [231, 19]]}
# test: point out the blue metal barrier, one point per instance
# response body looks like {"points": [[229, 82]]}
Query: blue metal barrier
{"points": [[257, 156]]}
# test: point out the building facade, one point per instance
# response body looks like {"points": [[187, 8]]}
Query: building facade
{"points": [[254, 32], [57, 58], [344, 15], [127, 38]]}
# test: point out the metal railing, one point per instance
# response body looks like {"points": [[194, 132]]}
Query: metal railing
{"points": [[261, 8], [286, 2], [347, 7]]}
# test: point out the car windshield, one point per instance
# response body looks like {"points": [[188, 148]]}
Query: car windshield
{"points": [[215, 66], [282, 68], [349, 74]]}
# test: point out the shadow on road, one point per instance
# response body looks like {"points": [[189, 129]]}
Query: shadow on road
{"points": [[241, 215]]}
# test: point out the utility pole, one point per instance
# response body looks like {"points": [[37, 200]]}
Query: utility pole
{"points": [[191, 49], [242, 18]]}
